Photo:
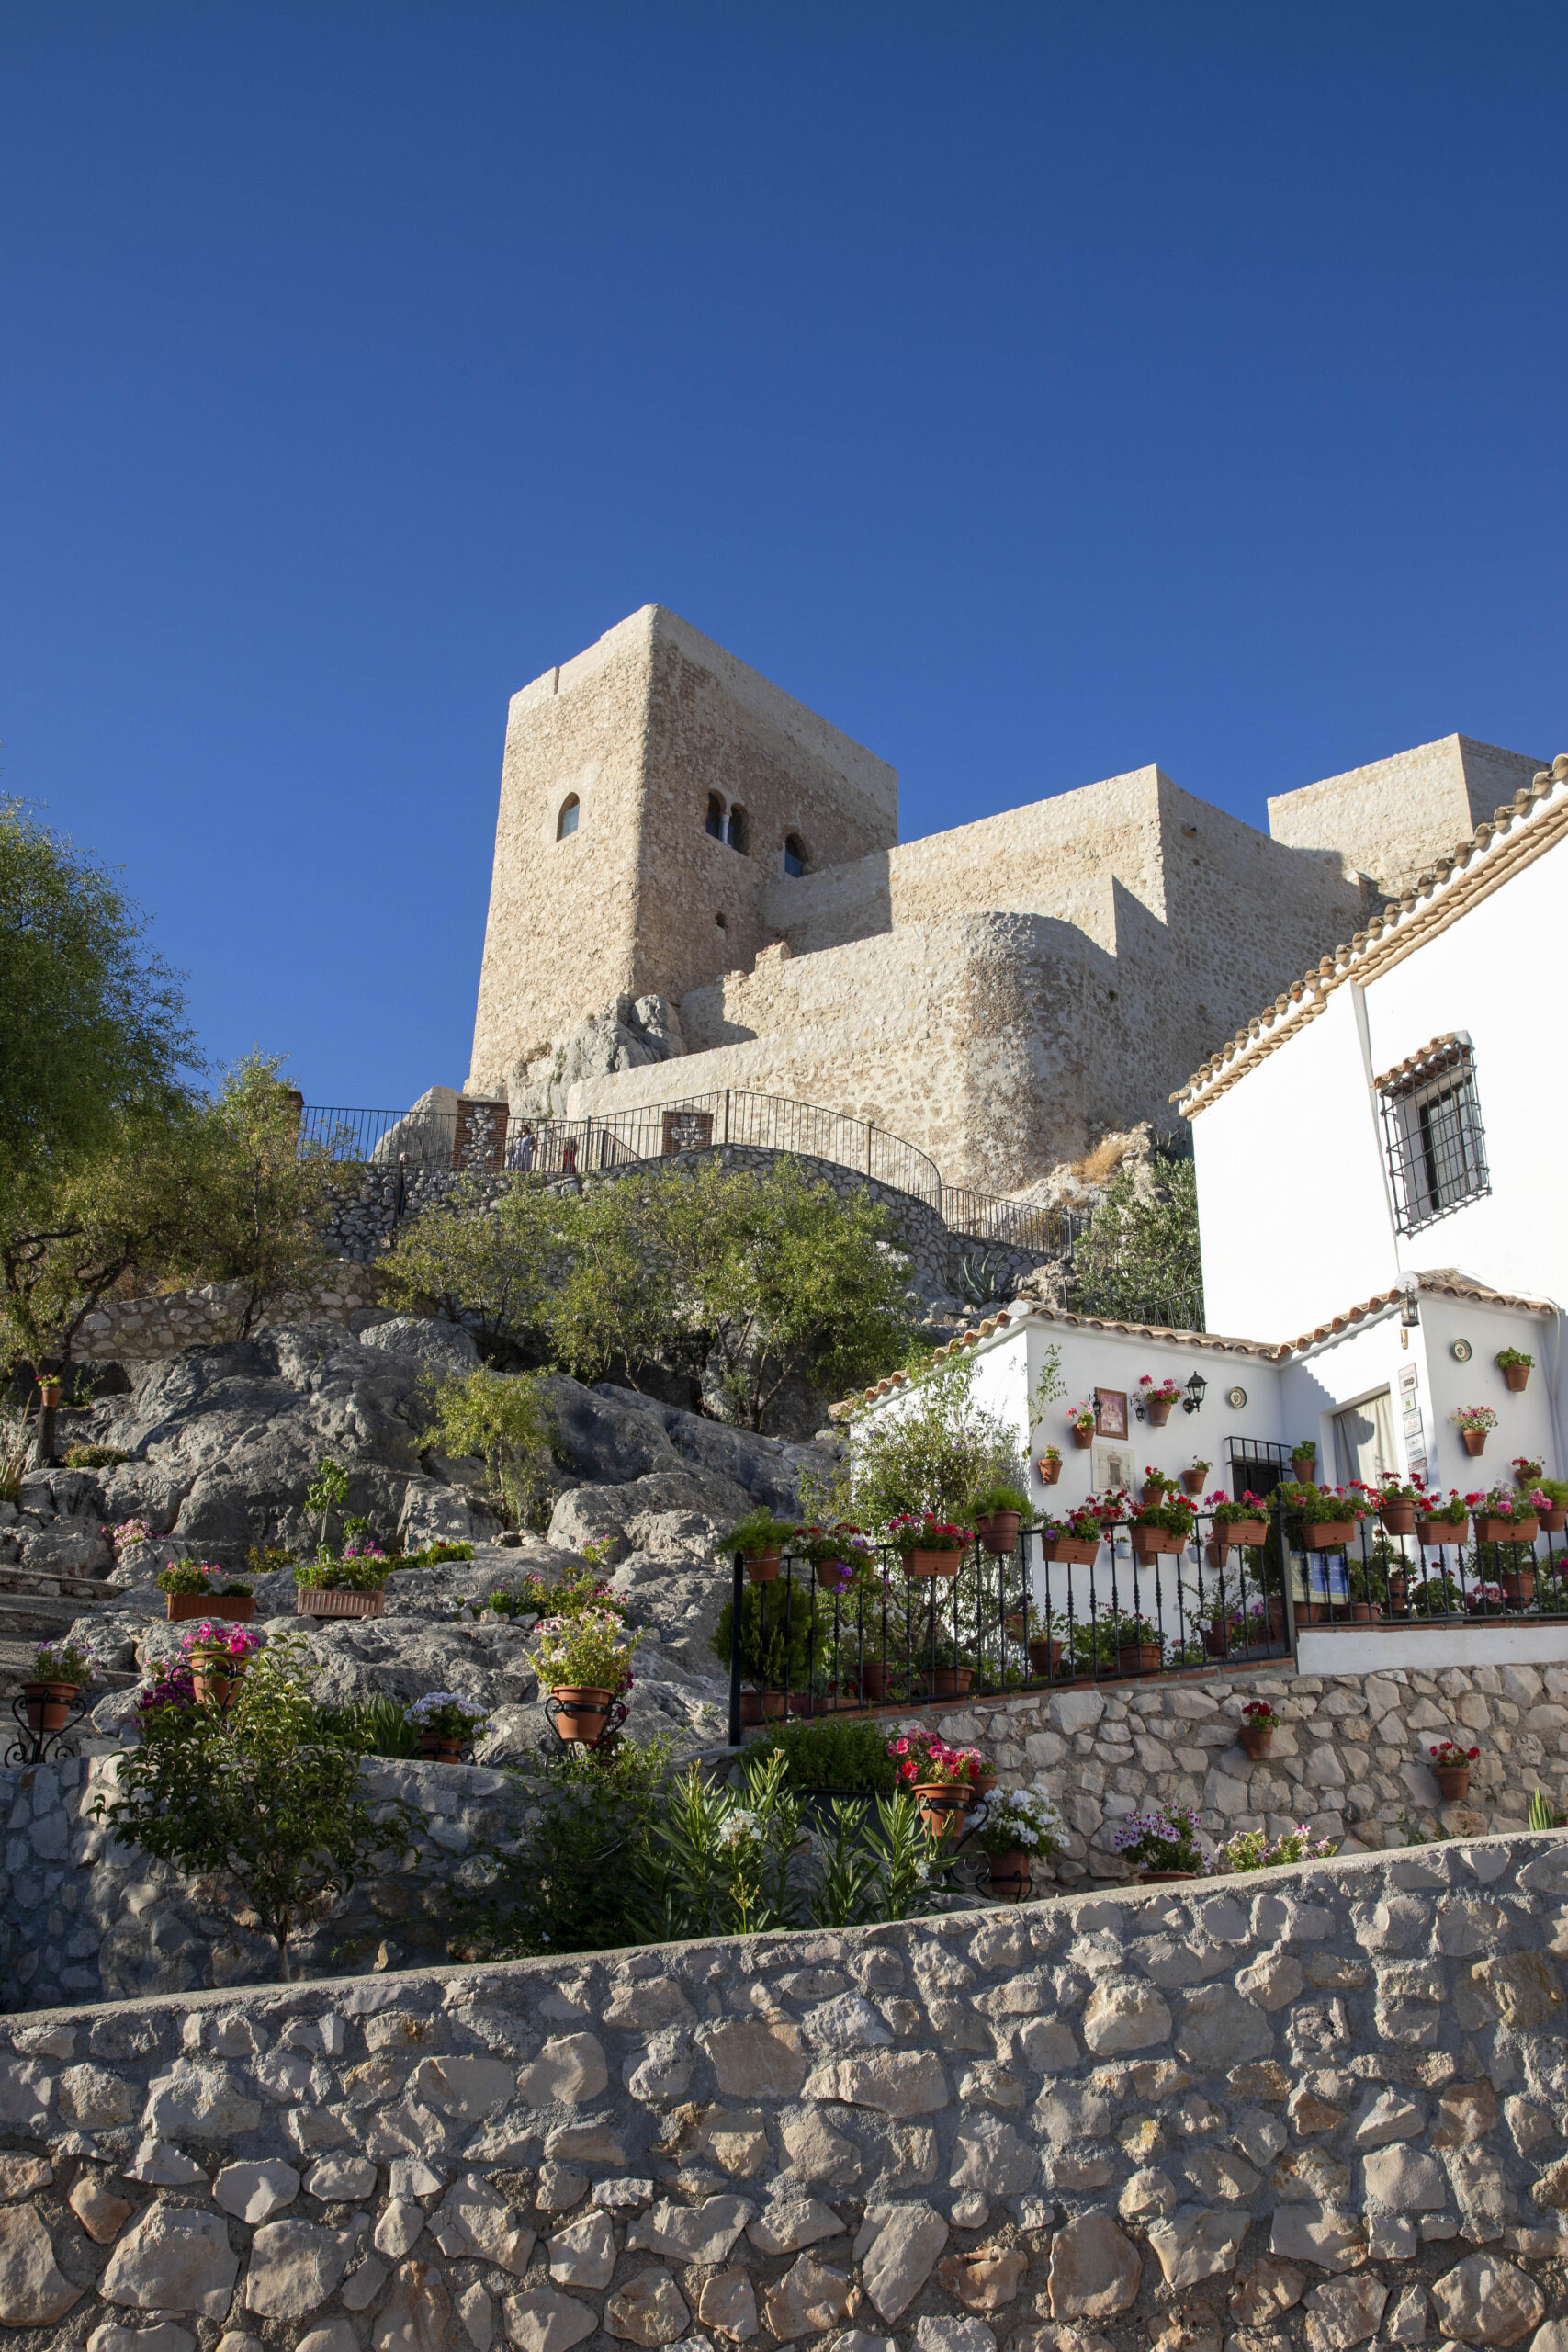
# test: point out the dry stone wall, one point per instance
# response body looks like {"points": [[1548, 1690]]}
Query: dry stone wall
{"points": [[134, 1331], [1324, 2105]]}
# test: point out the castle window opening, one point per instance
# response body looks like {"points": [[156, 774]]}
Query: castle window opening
{"points": [[738, 834], [570, 810], [715, 817], [722, 924], [794, 854]]}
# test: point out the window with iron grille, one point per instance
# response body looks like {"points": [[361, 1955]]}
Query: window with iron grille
{"points": [[1432, 1131]]}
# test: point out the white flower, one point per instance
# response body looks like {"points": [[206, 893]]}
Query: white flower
{"points": [[741, 1827]]}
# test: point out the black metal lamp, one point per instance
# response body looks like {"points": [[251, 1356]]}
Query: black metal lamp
{"points": [[1197, 1389]]}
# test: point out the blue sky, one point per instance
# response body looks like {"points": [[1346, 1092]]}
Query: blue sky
{"points": [[1034, 390]]}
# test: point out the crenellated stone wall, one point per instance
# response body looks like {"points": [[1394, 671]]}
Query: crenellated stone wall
{"points": [[1331, 2100]]}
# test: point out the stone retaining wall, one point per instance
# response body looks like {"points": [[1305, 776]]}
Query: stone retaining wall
{"points": [[1333, 2097], [83, 1920], [132, 1330]]}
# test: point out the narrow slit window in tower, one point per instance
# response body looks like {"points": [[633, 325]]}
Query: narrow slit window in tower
{"points": [[570, 810], [738, 833], [715, 817], [795, 854]]}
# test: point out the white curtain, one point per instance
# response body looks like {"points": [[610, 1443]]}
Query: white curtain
{"points": [[1364, 1440]]}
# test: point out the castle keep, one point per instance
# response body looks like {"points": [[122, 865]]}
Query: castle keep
{"points": [[691, 866]]}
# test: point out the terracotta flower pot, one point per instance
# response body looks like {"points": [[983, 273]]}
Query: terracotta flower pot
{"points": [[1158, 1411], [581, 1710], [762, 1567], [1301, 1464], [1074, 1551], [1016, 1624], [1520, 1587], [438, 1749], [1474, 1440], [1220, 1638], [1009, 1876], [1193, 1482], [1047, 1471], [833, 1574], [178, 1606], [984, 1782], [942, 1807], [1555, 1520], [932, 1564], [1328, 1535], [1149, 1543], [1398, 1593], [1082, 1438], [1230, 1532], [1433, 1534], [1162, 1878], [234, 1608], [1138, 1657], [1505, 1531], [48, 1705], [872, 1679], [1398, 1519], [322, 1600], [1517, 1376], [1044, 1656], [215, 1677], [1453, 1780], [758, 1706], [998, 1531], [948, 1682], [1364, 1613], [1151, 1490], [1256, 1740]]}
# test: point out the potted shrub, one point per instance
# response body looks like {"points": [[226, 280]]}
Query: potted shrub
{"points": [[1503, 1516], [1165, 1526], [1081, 1422], [1302, 1456], [1238, 1521], [1158, 1398], [1328, 1515], [764, 1539], [1192, 1478], [1161, 1844], [944, 1669], [1368, 1589], [352, 1587], [1048, 1467], [928, 1546], [1451, 1766], [1514, 1367], [998, 1511], [59, 1671], [1156, 1484], [1137, 1642], [447, 1723], [1021, 1827], [1437, 1596], [1554, 1504], [217, 1654], [1259, 1724], [1044, 1641], [1443, 1518], [1473, 1422], [778, 1640], [1074, 1539], [1394, 1500], [585, 1663]]}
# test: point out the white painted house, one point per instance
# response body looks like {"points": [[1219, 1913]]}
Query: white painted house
{"points": [[1383, 1160]]}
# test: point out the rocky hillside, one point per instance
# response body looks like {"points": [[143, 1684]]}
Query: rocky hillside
{"points": [[223, 1441]]}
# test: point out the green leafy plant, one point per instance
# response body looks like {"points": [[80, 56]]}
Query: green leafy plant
{"points": [[1140, 1258], [928, 1456], [344, 1576], [997, 1494], [17, 1440], [436, 1555], [1542, 1813], [781, 1632], [64, 1661], [267, 1559], [374, 1726], [502, 1417], [759, 1532], [1556, 1491], [589, 1650], [830, 1754], [1507, 1357], [327, 1492], [183, 1578], [255, 1794], [1170, 1512], [94, 1457]]}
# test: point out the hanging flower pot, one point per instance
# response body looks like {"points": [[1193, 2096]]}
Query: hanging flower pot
{"points": [[48, 1705], [1328, 1535], [1072, 1550], [762, 1567], [1397, 1517], [758, 1706], [1138, 1657], [1193, 1481], [1302, 1461], [942, 1806], [1048, 1469], [1151, 1490], [1234, 1531], [1256, 1741], [581, 1710], [1044, 1656], [1474, 1440], [1009, 1876], [1453, 1780], [998, 1531], [1158, 1411], [1433, 1534], [1149, 1542], [985, 1780], [1083, 1438], [832, 1575], [1517, 1376], [1520, 1588], [1505, 1531], [1555, 1519]]}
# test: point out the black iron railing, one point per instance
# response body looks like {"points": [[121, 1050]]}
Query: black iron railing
{"points": [[1050, 1612], [482, 1138]]}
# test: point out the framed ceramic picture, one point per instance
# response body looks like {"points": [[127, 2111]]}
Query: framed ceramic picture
{"points": [[1111, 1412], [1114, 1464]]}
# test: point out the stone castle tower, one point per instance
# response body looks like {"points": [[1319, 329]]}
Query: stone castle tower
{"points": [[692, 868]]}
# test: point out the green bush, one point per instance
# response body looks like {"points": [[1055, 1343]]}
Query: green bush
{"points": [[830, 1754], [94, 1457], [784, 1632]]}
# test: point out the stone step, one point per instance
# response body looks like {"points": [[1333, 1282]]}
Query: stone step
{"points": [[17, 1668], [53, 1580]]}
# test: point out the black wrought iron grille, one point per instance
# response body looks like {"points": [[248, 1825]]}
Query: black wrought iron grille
{"points": [[1436, 1145]]}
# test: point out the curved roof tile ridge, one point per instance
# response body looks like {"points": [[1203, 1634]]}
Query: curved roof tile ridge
{"points": [[1305, 999]]}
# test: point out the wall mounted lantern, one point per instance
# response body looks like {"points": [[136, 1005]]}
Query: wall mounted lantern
{"points": [[1197, 1387]]}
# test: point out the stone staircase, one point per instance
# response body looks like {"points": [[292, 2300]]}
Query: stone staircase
{"points": [[40, 1605]]}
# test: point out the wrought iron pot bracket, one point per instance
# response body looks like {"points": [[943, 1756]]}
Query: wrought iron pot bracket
{"points": [[32, 1747], [552, 1744]]}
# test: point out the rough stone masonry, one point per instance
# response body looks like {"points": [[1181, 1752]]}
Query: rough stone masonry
{"points": [[1318, 2107]]}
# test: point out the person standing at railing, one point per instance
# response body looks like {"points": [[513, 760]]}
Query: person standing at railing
{"points": [[525, 1151], [568, 1156]]}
